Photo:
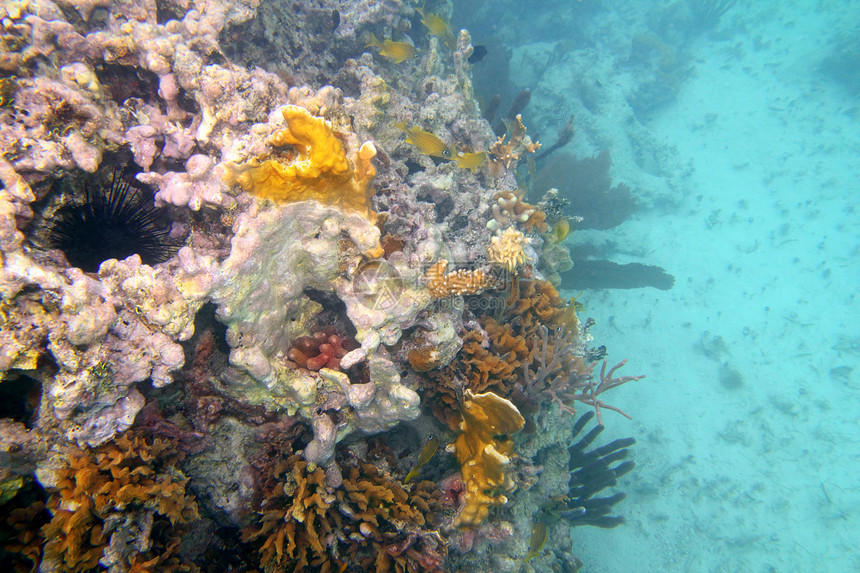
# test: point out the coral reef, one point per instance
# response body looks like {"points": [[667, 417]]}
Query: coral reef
{"points": [[292, 299]]}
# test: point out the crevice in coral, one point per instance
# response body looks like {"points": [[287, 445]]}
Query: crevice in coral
{"points": [[19, 397]]}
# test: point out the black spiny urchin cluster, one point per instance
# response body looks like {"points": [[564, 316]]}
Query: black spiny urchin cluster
{"points": [[112, 222]]}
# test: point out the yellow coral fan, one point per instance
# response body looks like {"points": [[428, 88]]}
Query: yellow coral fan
{"points": [[507, 249], [483, 450], [320, 169], [441, 284]]}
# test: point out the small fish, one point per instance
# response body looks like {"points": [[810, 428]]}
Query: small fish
{"points": [[397, 52], [470, 160], [478, 53], [537, 541], [560, 230], [426, 142], [425, 456], [436, 25]]}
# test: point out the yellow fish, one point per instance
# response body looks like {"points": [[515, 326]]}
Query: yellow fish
{"points": [[425, 456], [537, 541], [470, 160], [560, 230], [426, 142], [395, 51], [436, 25]]}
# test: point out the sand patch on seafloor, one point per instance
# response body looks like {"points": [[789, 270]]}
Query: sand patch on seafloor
{"points": [[747, 423]]}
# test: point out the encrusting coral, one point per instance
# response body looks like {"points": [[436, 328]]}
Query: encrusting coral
{"points": [[483, 449], [319, 169]]}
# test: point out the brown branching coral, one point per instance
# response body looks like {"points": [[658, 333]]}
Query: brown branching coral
{"points": [[504, 154], [369, 520], [483, 449], [493, 356], [319, 168], [122, 488]]}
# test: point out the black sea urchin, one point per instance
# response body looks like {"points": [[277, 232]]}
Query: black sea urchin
{"points": [[111, 223]]}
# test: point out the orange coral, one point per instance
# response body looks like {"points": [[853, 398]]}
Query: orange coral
{"points": [[320, 169], [116, 479], [504, 154], [369, 520], [494, 358], [441, 284], [483, 450]]}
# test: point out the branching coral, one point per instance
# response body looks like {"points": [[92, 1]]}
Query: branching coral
{"points": [[564, 378], [483, 449], [319, 168], [369, 519], [504, 154], [119, 489], [493, 356]]}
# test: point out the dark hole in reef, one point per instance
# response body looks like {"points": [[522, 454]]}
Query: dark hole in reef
{"points": [[164, 11], [123, 82], [413, 166], [333, 313], [19, 397], [207, 319], [459, 222], [443, 207], [30, 515]]}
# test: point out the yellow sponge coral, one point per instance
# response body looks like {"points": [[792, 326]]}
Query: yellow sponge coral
{"points": [[483, 450], [318, 170]]}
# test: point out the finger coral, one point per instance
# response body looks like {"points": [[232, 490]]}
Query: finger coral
{"points": [[483, 449], [504, 154], [510, 209], [317, 169]]}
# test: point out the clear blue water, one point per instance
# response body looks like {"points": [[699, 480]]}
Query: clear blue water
{"points": [[740, 135]]}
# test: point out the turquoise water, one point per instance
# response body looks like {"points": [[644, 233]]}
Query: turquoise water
{"points": [[740, 136]]}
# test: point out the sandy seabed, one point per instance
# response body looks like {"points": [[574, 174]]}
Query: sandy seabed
{"points": [[747, 423]]}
